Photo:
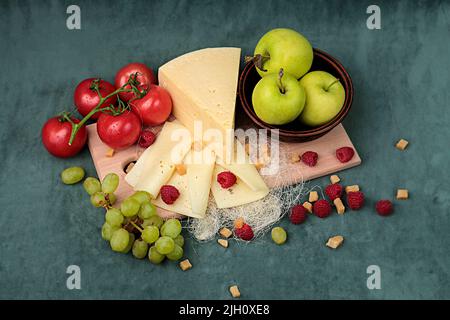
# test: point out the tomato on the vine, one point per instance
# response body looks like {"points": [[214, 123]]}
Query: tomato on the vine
{"points": [[86, 99], [119, 131], [155, 107], [145, 77]]}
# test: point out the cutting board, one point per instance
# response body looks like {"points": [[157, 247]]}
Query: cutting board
{"points": [[289, 172]]}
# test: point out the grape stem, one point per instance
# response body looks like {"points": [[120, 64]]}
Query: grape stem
{"points": [[137, 227]]}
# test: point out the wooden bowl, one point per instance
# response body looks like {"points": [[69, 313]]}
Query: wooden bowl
{"points": [[295, 131]]}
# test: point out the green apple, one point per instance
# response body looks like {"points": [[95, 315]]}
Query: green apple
{"points": [[284, 48], [325, 97], [278, 98]]}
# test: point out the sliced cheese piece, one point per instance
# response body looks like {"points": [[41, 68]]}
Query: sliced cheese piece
{"points": [[157, 164], [238, 194], [203, 87]]}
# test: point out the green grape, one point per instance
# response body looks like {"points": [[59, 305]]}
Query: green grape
{"points": [[176, 254], [140, 249], [107, 231], [165, 245], [147, 210], [154, 256], [130, 243], [142, 196], [179, 240], [98, 199], [150, 234], [72, 175], [119, 240], [156, 221], [279, 236], [92, 185], [171, 228], [112, 198], [129, 207], [114, 217], [110, 183]]}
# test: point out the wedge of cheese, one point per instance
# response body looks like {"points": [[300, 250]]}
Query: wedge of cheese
{"points": [[203, 87]]}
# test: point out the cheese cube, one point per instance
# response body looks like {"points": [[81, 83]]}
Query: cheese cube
{"points": [[225, 232], [234, 290], [335, 242], [353, 188], [185, 265], [181, 169], [402, 144], [295, 157], [223, 242], [109, 153], [313, 196], [334, 179], [129, 167], [339, 206], [402, 194], [308, 206]]}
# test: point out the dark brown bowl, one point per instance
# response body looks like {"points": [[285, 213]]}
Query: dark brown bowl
{"points": [[295, 131]]}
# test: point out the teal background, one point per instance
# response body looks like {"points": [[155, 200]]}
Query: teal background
{"points": [[401, 78]]}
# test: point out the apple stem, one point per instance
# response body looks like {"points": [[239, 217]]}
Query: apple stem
{"points": [[334, 82], [280, 85], [258, 60]]}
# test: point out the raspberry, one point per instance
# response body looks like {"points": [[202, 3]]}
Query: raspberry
{"points": [[345, 154], [147, 138], [310, 158], [322, 208], [355, 200], [226, 179], [334, 191], [243, 230], [384, 207], [169, 194], [298, 214]]}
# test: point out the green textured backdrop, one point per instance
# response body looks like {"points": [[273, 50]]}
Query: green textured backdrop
{"points": [[401, 78]]}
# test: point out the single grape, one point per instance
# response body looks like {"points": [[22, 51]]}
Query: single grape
{"points": [[140, 249], [92, 185], [150, 234], [154, 256], [72, 175], [98, 199], [114, 217], [107, 231], [110, 183], [171, 228], [147, 210], [111, 197], [179, 240], [129, 207], [279, 236], [142, 196], [130, 243], [165, 245], [156, 221], [176, 254], [119, 240]]}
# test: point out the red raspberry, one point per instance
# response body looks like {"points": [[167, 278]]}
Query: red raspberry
{"points": [[355, 200], [169, 194], [243, 230], [298, 214], [310, 158], [334, 191], [322, 208], [226, 179], [147, 138], [384, 207], [345, 154]]}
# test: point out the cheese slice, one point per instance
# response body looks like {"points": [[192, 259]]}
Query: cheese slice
{"points": [[203, 86]]}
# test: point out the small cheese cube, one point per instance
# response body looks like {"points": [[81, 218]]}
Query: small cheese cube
{"points": [[225, 232], [109, 153], [313, 196], [259, 165], [402, 144], [223, 243], [339, 206], [402, 194], [295, 157], [181, 169], [335, 242], [334, 179], [129, 167], [234, 290], [185, 265], [353, 188], [308, 206]]}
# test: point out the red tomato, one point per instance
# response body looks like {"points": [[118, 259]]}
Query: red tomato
{"points": [[119, 131], [87, 99], [155, 107], [145, 77], [56, 134]]}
